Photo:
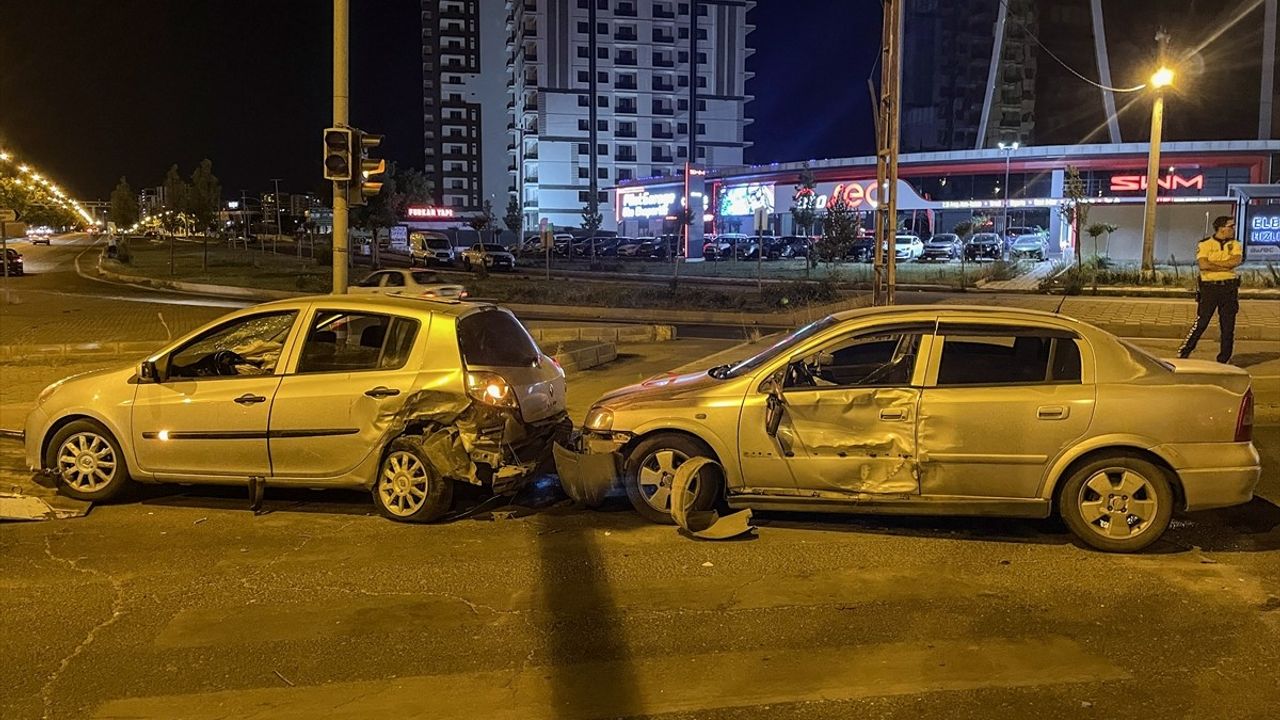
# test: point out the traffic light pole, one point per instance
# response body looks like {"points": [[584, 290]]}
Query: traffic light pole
{"points": [[340, 99], [885, 253]]}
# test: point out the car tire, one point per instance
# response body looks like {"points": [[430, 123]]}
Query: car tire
{"points": [[649, 469], [408, 488], [87, 461], [1114, 489]]}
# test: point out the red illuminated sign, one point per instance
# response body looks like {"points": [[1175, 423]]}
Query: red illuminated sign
{"points": [[427, 212], [1172, 181]]}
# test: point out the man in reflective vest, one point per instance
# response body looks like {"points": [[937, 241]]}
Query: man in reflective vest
{"points": [[1218, 257]]}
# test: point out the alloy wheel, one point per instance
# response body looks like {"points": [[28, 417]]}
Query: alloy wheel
{"points": [[1118, 503], [403, 483], [87, 462], [657, 473]]}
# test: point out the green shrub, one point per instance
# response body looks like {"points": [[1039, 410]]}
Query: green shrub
{"points": [[307, 282], [323, 253], [124, 254], [799, 292]]}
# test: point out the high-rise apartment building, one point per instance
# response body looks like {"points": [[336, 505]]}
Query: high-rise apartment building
{"points": [[969, 74], [464, 95], [666, 76]]}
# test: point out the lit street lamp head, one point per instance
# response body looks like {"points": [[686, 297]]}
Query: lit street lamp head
{"points": [[1162, 78]]}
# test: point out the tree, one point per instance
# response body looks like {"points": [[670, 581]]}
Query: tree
{"points": [[176, 199], [1097, 229], [514, 220], [839, 230], [205, 196], [591, 221], [124, 206], [804, 210], [36, 203], [1073, 210]]}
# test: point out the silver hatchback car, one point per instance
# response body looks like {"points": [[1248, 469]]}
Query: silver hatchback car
{"points": [[401, 396], [956, 411]]}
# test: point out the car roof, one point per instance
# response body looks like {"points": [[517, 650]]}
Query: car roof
{"points": [[374, 302], [943, 311]]}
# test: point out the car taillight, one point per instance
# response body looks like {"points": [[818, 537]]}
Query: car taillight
{"points": [[429, 293], [1244, 421]]}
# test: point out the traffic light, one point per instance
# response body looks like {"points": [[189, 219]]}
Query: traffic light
{"points": [[366, 184], [338, 146]]}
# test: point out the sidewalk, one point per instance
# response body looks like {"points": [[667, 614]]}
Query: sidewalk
{"points": [[1026, 282]]}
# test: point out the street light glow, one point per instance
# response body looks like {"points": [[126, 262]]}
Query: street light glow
{"points": [[1162, 78]]}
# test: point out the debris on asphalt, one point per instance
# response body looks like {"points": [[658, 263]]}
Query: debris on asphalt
{"points": [[199, 520], [707, 564], [585, 477], [286, 680], [16, 505], [502, 514], [704, 524]]}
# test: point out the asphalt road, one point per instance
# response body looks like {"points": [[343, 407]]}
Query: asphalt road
{"points": [[183, 604]]}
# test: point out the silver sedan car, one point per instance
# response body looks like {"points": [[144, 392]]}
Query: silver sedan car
{"points": [[401, 396], [956, 411]]}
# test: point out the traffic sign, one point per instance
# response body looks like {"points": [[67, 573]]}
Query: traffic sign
{"points": [[7, 215]]}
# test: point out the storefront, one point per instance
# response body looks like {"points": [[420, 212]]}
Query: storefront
{"points": [[1023, 188]]}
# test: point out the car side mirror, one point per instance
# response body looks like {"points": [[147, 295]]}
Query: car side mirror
{"points": [[774, 408], [148, 372]]}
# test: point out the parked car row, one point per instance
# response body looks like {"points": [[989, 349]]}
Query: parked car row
{"points": [[904, 410]]}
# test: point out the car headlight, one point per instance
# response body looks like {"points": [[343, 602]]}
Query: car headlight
{"points": [[599, 419]]}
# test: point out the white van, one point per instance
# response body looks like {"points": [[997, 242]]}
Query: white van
{"points": [[430, 248]]}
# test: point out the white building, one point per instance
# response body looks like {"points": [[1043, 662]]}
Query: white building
{"points": [[648, 54]]}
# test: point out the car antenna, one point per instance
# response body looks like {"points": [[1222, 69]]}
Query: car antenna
{"points": [[1058, 310]]}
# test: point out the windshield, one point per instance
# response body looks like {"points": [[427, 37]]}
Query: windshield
{"points": [[488, 247], [438, 244], [778, 349], [423, 277]]}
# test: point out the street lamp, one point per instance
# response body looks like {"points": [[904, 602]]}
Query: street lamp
{"points": [[1160, 80], [1008, 149]]}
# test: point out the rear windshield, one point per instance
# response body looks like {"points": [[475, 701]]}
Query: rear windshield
{"points": [[495, 339], [423, 277]]}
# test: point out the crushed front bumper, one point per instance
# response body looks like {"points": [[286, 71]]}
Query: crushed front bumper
{"points": [[590, 465]]}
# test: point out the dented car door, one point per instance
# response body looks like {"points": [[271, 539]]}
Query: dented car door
{"points": [[850, 413]]}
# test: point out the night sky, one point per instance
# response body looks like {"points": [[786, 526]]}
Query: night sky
{"points": [[94, 89]]}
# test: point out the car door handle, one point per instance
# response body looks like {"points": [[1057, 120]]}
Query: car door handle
{"points": [[381, 392], [1052, 412], [893, 414], [250, 399]]}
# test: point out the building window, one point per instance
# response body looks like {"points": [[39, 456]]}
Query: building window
{"points": [[683, 8], [702, 105], [583, 101], [683, 56], [624, 173], [583, 124], [702, 58], [602, 125], [584, 4], [683, 81], [702, 129], [583, 27], [584, 149], [584, 51], [602, 173], [702, 82], [584, 76], [602, 53], [702, 34], [584, 173], [682, 152], [602, 77], [682, 104], [683, 128], [683, 33], [602, 101], [602, 28], [602, 149], [702, 153]]}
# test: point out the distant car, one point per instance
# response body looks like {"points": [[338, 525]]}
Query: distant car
{"points": [[751, 247], [794, 246], [936, 410], [402, 397], [13, 261], [431, 249], [1035, 247], [491, 255], [984, 246], [40, 235], [628, 247], [907, 247], [943, 247], [604, 247], [418, 283], [722, 247], [862, 249]]}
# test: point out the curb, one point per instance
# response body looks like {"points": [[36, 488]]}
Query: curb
{"points": [[225, 291], [104, 349], [615, 335], [585, 358]]}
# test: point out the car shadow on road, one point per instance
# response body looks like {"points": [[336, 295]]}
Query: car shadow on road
{"points": [[275, 500], [1006, 530], [1246, 360]]}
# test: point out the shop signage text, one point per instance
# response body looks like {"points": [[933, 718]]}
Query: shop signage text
{"points": [[644, 204], [427, 212], [1172, 181]]}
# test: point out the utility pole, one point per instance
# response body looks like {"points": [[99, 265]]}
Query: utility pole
{"points": [[276, 182], [340, 100], [593, 132], [885, 252], [1159, 82]]}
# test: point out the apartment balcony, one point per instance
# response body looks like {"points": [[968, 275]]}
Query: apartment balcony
{"points": [[663, 135], [530, 56], [531, 153], [625, 108], [626, 36], [663, 109], [661, 37], [663, 87], [659, 158], [663, 62], [625, 133], [629, 60], [625, 157], [625, 11], [626, 85], [660, 14]]}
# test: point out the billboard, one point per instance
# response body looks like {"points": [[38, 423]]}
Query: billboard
{"points": [[643, 203], [1262, 232], [746, 199]]}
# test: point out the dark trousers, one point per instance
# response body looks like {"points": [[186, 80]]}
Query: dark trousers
{"points": [[1224, 299]]}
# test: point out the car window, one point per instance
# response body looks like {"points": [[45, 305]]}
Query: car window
{"points": [[438, 244], [1008, 359], [395, 279], [249, 345], [496, 339], [373, 280], [422, 277], [489, 247], [343, 341], [874, 360]]}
